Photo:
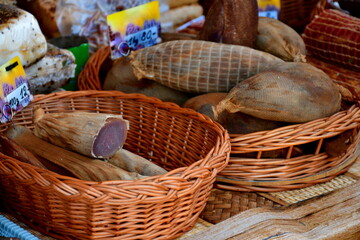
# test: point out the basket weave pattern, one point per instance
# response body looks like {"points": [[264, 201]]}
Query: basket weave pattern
{"points": [[225, 204], [190, 146], [250, 168], [88, 78]]}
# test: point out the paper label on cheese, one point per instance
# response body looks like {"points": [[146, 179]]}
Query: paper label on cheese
{"points": [[269, 8], [134, 28], [14, 90]]}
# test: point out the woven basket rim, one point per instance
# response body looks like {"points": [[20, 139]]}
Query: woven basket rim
{"points": [[297, 134], [88, 78], [250, 176], [278, 183]]}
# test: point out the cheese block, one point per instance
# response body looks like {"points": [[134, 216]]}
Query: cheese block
{"points": [[20, 35]]}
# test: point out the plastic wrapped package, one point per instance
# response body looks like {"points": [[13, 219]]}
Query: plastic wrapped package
{"points": [[88, 18]]}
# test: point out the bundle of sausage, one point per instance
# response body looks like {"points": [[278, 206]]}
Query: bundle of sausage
{"points": [[84, 145], [334, 37]]}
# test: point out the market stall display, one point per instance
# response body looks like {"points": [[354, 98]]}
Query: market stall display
{"points": [[269, 117]]}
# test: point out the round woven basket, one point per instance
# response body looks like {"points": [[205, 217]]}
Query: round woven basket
{"points": [[190, 146], [250, 168], [275, 160]]}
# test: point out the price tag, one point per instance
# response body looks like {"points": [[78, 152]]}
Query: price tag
{"points": [[134, 28], [143, 38], [19, 97], [269, 14], [14, 90], [269, 8]]}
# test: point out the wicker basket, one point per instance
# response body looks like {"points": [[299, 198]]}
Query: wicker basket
{"points": [[252, 169], [192, 147], [257, 172], [89, 77]]}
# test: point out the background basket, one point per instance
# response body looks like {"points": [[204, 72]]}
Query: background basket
{"points": [[90, 77], [192, 147], [275, 160]]}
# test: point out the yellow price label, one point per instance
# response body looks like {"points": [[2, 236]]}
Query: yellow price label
{"points": [[14, 90], [134, 28], [269, 8]]}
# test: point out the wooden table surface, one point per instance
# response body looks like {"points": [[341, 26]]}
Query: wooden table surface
{"points": [[333, 216]]}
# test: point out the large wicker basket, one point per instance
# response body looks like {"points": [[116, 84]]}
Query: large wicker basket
{"points": [[190, 146], [249, 169]]}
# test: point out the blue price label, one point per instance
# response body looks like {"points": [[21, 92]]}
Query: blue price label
{"points": [[269, 14], [269, 8]]}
